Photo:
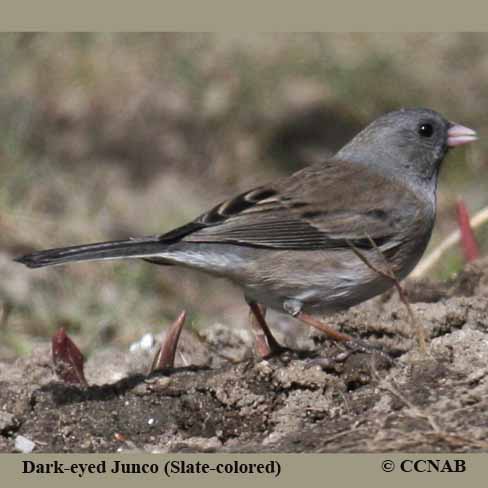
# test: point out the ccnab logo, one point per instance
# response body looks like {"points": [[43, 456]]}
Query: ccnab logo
{"points": [[433, 466]]}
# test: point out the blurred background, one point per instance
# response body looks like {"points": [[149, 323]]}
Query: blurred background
{"points": [[105, 136]]}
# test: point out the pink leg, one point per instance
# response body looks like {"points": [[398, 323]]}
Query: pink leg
{"points": [[326, 329], [266, 344]]}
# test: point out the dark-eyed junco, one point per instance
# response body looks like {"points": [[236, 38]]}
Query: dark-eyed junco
{"points": [[293, 244]]}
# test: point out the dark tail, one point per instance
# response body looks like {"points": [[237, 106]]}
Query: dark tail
{"points": [[136, 248]]}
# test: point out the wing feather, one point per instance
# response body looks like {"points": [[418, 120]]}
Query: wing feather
{"points": [[307, 211]]}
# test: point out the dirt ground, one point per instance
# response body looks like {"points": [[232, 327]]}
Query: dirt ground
{"points": [[318, 400]]}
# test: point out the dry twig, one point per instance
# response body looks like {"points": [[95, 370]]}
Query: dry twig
{"points": [[431, 260], [390, 274]]}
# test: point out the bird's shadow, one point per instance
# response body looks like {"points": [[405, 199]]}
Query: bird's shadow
{"points": [[63, 394]]}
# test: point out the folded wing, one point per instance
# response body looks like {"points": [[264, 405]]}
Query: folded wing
{"points": [[307, 211]]}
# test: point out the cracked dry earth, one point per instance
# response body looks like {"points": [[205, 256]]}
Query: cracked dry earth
{"points": [[322, 400]]}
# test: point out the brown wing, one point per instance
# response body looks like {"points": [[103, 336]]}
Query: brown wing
{"points": [[322, 206]]}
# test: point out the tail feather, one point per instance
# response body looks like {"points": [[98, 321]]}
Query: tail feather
{"points": [[136, 248]]}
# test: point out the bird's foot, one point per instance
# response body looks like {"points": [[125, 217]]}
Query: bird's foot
{"points": [[266, 345], [351, 344], [266, 351], [357, 346], [327, 363]]}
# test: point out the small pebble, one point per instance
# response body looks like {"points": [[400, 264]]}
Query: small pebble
{"points": [[147, 342], [144, 344], [24, 445]]}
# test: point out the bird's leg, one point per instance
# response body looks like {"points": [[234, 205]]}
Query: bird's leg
{"points": [[165, 357], [294, 308], [266, 344], [352, 344], [326, 329]]}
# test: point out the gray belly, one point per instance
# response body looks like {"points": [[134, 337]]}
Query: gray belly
{"points": [[322, 281], [325, 282]]}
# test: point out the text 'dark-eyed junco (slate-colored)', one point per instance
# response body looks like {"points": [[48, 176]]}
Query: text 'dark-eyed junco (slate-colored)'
{"points": [[293, 244]]}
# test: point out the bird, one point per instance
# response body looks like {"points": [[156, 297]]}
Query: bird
{"points": [[311, 243]]}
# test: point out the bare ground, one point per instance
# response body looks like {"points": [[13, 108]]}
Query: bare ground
{"points": [[318, 400]]}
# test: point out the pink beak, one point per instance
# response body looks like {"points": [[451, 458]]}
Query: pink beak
{"points": [[458, 135]]}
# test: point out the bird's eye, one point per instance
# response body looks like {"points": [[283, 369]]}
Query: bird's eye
{"points": [[425, 130]]}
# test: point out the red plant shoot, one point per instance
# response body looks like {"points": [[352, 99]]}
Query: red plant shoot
{"points": [[468, 240], [68, 359]]}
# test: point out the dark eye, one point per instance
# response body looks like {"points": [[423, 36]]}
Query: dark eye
{"points": [[425, 130]]}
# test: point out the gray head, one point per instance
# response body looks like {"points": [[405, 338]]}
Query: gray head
{"points": [[409, 143]]}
